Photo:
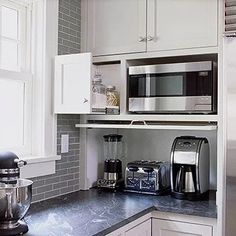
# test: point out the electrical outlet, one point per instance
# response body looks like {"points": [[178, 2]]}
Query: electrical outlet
{"points": [[64, 143]]}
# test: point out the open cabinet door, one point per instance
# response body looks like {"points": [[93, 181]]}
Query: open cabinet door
{"points": [[73, 84]]}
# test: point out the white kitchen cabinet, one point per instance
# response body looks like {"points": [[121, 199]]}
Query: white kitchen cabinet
{"points": [[73, 82], [116, 27], [72, 90], [143, 229], [140, 227], [174, 228], [169, 224], [181, 24]]}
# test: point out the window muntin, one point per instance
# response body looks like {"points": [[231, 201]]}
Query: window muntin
{"points": [[13, 31], [15, 77]]}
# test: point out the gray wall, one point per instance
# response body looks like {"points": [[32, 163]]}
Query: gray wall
{"points": [[66, 178]]}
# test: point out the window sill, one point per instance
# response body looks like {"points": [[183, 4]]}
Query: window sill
{"points": [[39, 166]]}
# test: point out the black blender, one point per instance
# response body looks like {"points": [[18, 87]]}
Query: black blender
{"points": [[113, 152]]}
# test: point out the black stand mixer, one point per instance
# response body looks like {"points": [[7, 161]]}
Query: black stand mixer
{"points": [[15, 195]]}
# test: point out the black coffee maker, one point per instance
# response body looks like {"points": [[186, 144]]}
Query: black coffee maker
{"points": [[113, 152], [190, 168]]}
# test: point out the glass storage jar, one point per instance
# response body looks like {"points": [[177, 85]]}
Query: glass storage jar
{"points": [[98, 94], [112, 96]]}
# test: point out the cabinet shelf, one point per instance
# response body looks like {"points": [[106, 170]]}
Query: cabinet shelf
{"points": [[197, 127], [165, 118]]}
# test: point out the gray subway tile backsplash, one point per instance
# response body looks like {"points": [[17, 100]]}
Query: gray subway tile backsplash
{"points": [[52, 180], [60, 185], [67, 190], [38, 197], [66, 178], [44, 189], [38, 183], [52, 193]]}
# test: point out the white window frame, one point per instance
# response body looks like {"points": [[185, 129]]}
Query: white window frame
{"points": [[23, 74], [44, 43], [24, 21], [45, 46]]}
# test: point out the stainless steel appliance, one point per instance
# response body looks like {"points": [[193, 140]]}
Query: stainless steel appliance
{"points": [[112, 174], [173, 88], [190, 168], [151, 177], [15, 195], [228, 141], [113, 151]]}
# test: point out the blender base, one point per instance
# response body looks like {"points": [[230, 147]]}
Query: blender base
{"points": [[11, 230]]}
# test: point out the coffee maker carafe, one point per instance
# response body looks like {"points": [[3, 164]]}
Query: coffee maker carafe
{"points": [[190, 168], [113, 152]]}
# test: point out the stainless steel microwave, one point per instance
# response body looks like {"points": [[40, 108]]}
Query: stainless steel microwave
{"points": [[189, 87]]}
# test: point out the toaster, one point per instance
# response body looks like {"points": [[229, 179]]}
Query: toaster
{"points": [[150, 177]]}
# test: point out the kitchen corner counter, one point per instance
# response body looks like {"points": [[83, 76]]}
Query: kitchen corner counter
{"points": [[98, 213]]}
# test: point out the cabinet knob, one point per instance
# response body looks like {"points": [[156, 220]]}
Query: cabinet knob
{"points": [[85, 100], [150, 38], [142, 39]]}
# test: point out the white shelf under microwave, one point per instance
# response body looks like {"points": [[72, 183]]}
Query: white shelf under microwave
{"points": [[156, 117], [197, 127]]}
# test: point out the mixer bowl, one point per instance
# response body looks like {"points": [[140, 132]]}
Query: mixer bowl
{"points": [[15, 201]]}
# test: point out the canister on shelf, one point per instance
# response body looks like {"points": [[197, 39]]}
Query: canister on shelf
{"points": [[98, 94], [113, 100]]}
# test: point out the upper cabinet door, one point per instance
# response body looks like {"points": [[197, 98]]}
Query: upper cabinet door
{"points": [[181, 24], [116, 26], [72, 92]]}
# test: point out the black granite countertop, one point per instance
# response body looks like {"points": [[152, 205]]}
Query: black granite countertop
{"points": [[98, 213]]}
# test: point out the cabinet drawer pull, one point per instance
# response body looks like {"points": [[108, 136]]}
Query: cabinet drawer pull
{"points": [[142, 39], [138, 122], [150, 38]]}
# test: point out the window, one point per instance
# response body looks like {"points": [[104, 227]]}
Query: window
{"points": [[28, 45], [15, 77], [13, 35]]}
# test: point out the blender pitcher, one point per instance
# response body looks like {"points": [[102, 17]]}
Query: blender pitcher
{"points": [[113, 152]]}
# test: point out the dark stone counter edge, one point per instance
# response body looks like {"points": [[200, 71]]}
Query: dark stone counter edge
{"points": [[149, 210], [186, 212], [126, 221]]}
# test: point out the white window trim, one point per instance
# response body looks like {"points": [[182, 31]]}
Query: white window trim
{"points": [[44, 135], [23, 73], [22, 37]]}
